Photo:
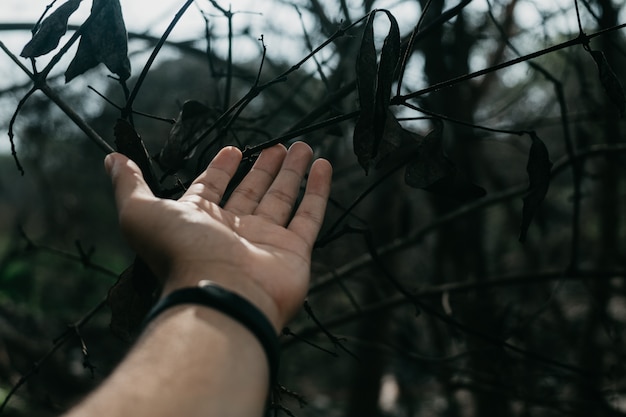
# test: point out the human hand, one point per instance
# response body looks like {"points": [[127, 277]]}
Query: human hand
{"points": [[251, 246]]}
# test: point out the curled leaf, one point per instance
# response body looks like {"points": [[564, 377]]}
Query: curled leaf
{"points": [[433, 171], [130, 299], [386, 69], [431, 164], [398, 145], [611, 84], [374, 82], [363, 140], [49, 33], [539, 167], [130, 144], [182, 137], [103, 41]]}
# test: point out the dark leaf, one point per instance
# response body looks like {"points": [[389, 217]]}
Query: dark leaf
{"points": [[104, 41], [366, 87], [130, 299], [398, 145], [386, 68], [431, 164], [49, 33], [84, 60], [431, 170], [128, 142], [457, 188], [363, 142], [374, 82], [539, 168], [192, 118], [609, 81]]}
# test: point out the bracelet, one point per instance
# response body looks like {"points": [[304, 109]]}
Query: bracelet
{"points": [[211, 295]]}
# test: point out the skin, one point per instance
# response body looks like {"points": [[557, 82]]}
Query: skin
{"points": [[193, 360]]}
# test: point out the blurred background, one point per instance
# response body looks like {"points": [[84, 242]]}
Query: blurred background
{"points": [[422, 303]]}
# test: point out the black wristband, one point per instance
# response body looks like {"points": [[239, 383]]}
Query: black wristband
{"points": [[213, 296]]}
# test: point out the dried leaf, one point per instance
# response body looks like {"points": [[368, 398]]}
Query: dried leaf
{"points": [[104, 41], [363, 139], [457, 188], [130, 144], [431, 170], [386, 68], [432, 164], [130, 299], [374, 82], [611, 84], [398, 145], [192, 118], [49, 33], [539, 168]]}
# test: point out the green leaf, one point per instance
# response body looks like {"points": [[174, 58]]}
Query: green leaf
{"points": [[104, 41], [374, 82], [539, 168], [611, 84], [49, 33]]}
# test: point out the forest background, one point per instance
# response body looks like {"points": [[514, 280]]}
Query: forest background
{"points": [[472, 260]]}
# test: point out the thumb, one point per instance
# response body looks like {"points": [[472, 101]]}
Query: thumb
{"points": [[127, 179]]}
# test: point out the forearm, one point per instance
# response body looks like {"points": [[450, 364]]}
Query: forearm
{"points": [[193, 360], [190, 361]]}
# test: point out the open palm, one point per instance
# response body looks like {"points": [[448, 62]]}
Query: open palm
{"points": [[252, 245]]}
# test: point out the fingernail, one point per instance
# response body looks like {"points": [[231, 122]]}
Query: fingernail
{"points": [[109, 161]]}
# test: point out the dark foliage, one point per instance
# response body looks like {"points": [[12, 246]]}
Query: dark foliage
{"points": [[422, 302]]}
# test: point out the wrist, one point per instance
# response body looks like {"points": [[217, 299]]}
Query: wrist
{"points": [[211, 296], [231, 279]]}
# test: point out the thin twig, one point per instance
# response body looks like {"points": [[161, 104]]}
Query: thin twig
{"points": [[309, 45], [570, 146], [436, 291], [79, 121], [398, 244], [18, 108], [58, 343], [153, 55], [409, 48], [495, 341], [580, 40], [40, 84], [335, 340]]}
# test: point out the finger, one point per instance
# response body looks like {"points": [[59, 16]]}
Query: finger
{"points": [[277, 203], [310, 214], [245, 198], [127, 179], [211, 184]]}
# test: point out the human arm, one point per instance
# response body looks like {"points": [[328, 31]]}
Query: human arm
{"points": [[196, 361]]}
